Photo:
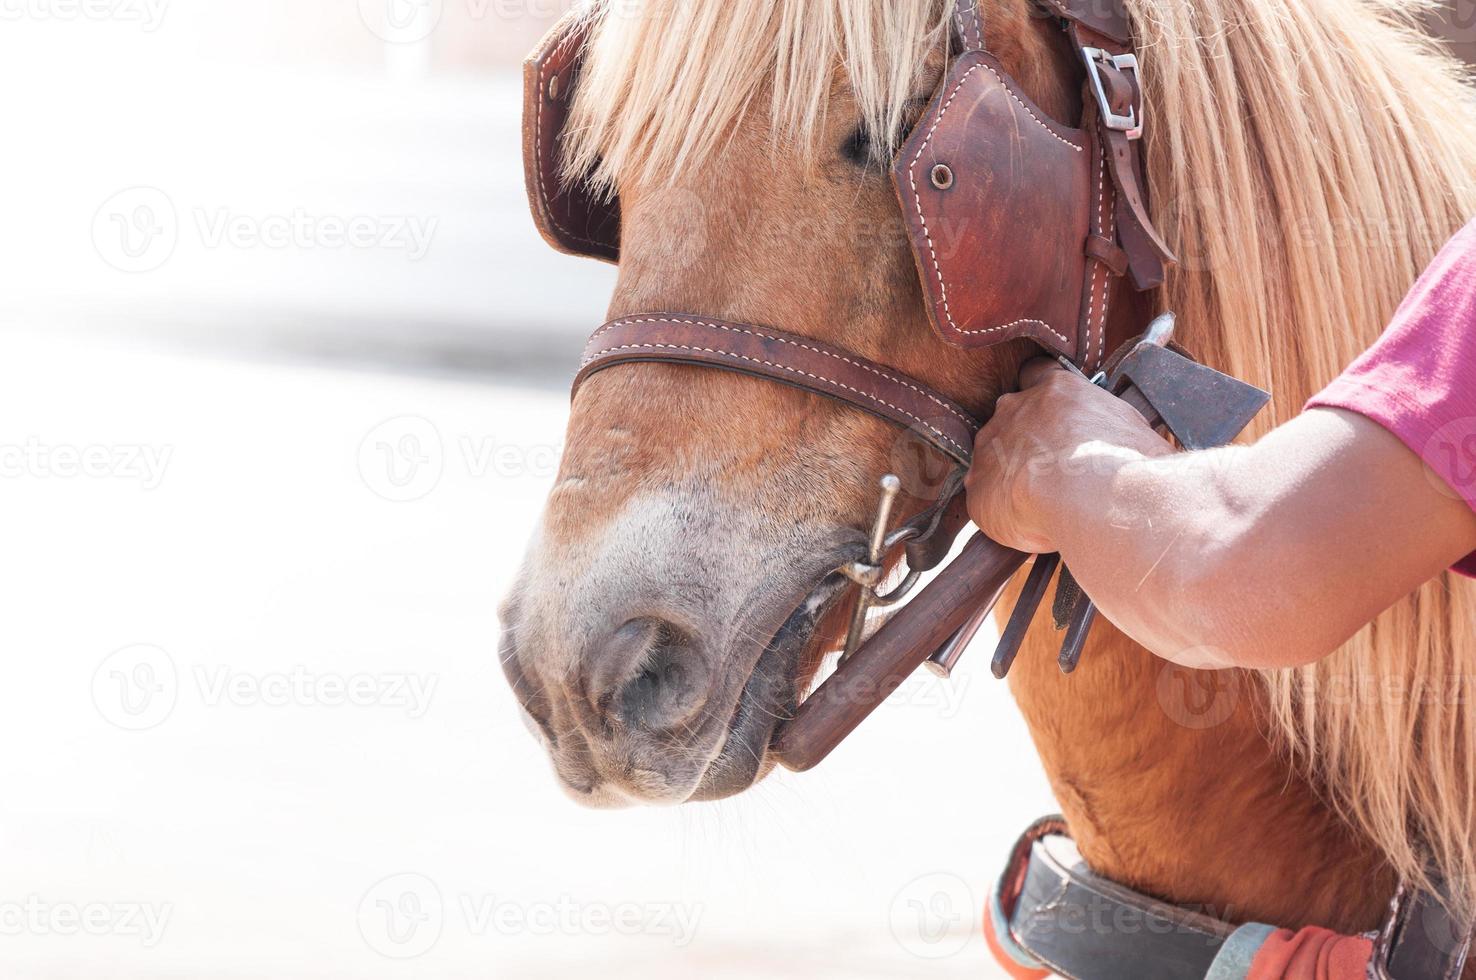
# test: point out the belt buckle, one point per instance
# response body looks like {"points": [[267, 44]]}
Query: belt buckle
{"points": [[1096, 60]]}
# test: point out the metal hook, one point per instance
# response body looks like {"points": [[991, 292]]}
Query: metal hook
{"points": [[868, 574]]}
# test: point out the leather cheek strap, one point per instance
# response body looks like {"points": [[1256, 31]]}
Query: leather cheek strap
{"points": [[790, 359]]}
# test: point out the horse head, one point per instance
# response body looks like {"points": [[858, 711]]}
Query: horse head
{"points": [[651, 634]]}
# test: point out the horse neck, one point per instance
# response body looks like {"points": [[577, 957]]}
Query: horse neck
{"points": [[1170, 786]]}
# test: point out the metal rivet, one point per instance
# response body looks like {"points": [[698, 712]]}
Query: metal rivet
{"points": [[553, 87], [942, 176]]}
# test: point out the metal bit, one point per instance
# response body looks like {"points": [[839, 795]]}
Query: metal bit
{"points": [[946, 657], [868, 575], [1083, 615], [1024, 611]]}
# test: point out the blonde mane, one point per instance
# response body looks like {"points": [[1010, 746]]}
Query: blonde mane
{"points": [[1307, 159], [667, 80]]}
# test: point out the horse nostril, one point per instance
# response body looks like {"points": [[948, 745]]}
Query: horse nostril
{"points": [[664, 678]]}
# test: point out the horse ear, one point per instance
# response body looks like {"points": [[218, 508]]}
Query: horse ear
{"points": [[569, 217]]}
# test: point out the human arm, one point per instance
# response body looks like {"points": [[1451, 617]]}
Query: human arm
{"points": [[1267, 555]]}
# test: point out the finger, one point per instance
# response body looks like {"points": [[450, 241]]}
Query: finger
{"points": [[1037, 369]]}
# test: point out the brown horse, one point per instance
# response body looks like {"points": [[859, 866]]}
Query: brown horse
{"points": [[1307, 158]]}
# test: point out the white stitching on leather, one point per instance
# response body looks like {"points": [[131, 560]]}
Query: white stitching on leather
{"points": [[1013, 98], [1097, 268], [1109, 215], [969, 422], [922, 216], [1013, 323], [968, 14], [942, 436], [544, 198]]}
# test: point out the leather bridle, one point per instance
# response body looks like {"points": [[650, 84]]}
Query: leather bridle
{"points": [[1071, 201]]}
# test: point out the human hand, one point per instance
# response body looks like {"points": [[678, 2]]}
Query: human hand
{"points": [[1047, 455]]}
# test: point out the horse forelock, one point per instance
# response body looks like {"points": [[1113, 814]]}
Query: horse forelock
{"points": [[666, 80]]}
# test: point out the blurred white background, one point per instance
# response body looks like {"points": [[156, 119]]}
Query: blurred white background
{"points": [[283, 372], [283, 381]]}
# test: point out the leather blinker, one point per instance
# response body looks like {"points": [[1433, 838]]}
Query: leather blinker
{"points": [[999, 246], [568, 215]]}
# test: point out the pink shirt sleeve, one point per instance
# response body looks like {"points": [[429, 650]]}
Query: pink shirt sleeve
{"points": [[1419, 379]]}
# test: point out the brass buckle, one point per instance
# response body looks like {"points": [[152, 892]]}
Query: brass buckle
{"points": [[1096, 60]]}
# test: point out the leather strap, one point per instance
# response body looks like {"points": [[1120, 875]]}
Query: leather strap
{"points": [[1421, 939], [1105, 18], [1101, 34], [990, 219], [998, 223], [968, 23], [1085, 927], [790, 359], [938, 527]]}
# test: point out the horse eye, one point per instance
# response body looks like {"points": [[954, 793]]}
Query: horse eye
{"points": [[857, 147], [861, 149]]}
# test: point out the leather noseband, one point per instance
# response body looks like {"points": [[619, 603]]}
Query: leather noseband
{"points": [[790, 359]]}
